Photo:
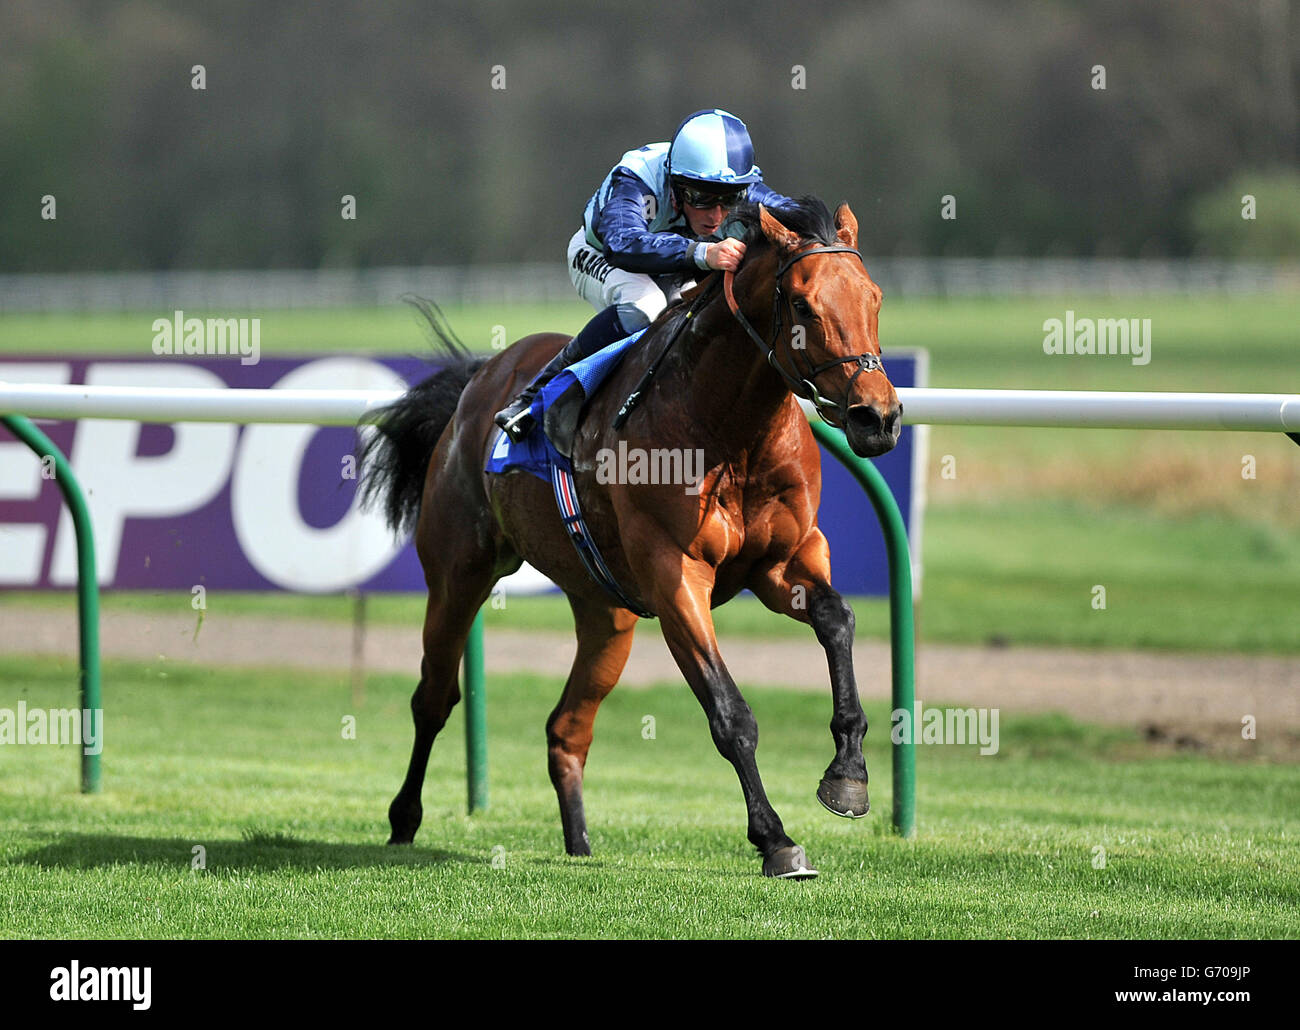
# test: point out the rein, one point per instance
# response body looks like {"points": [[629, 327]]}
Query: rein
{"points": [[804, 384], [634, 398]]}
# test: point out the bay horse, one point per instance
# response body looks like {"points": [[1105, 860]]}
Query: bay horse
{"points": [[749, 522]]}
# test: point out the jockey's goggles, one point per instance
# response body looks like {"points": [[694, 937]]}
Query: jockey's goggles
{"points": [[706, 201]]}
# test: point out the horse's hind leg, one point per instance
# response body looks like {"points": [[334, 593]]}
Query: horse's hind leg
{"points": [[801, 589], [604, 640], [460, 565], [447, 621]]}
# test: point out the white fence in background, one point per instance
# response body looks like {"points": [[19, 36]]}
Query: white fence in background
{"points": [[546, 282], [1265, 412]]}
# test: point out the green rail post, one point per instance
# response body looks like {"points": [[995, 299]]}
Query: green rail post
{"points": [[901, 634], [87, 581], [476, 763]]}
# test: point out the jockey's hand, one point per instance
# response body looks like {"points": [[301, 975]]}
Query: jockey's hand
{"points": [[725, 255]]}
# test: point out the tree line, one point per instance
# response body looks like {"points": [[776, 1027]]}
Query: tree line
{"points": [[147, 134]]}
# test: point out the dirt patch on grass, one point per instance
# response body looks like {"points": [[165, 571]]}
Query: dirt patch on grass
{"points": [[1175, 702]]}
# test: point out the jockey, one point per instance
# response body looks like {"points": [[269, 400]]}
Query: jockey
{"points": [[657, 220]]}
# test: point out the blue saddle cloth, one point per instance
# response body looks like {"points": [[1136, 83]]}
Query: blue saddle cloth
{"points": [[535, 453]]}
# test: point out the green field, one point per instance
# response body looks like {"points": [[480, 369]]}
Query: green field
{"points": [[252, 767], [1192, 555], [977, 587], [1198, 343]]}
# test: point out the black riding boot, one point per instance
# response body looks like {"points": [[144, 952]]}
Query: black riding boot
{"points": [[600, 332]]}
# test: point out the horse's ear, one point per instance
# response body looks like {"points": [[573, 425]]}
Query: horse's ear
{"points": [[846, 226], [782, 237]]}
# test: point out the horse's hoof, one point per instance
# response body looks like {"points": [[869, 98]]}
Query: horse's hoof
{"points": [[788, 864], [578, 848], [394, 840], [844, 797]]}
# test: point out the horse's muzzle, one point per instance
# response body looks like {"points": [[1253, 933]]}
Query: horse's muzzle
{"points": [[871, 431]]}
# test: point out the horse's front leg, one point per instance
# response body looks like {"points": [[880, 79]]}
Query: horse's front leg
{"points": [[681, 600], [801, 588]]}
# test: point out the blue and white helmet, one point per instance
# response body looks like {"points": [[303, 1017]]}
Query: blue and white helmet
{"points": [[713, 147]]}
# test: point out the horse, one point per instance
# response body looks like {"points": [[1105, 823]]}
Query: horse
{"points": [[748, 520]]}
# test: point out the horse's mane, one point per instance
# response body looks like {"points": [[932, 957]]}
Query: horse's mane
{"points": [[807, 216]]}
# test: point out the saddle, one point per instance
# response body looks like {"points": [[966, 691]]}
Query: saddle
{"points": [[547, 452], [557, 410]]}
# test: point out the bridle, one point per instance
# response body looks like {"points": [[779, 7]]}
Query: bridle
{"points": [[804, 385]]}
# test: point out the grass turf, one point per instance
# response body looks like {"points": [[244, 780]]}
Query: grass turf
{"points": [[1064, 833], [1210, 342]]}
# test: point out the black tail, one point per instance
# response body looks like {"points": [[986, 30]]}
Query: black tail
{"points": [[394, 460]]}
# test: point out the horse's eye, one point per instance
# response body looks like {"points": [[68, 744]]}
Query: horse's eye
{"points": [[801, 307]]}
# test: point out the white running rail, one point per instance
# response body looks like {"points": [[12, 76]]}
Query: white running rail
{"points": [[1249, 412]]}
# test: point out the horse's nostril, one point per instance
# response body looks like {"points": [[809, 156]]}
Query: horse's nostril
{"points": [[866, 418]]}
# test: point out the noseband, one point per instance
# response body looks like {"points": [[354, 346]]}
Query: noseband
{"points": [[803, 385]]}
